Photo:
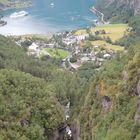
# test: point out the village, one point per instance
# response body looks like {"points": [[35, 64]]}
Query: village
{"points": [[73, 48]]}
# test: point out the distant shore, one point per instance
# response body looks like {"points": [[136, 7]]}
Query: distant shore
{"points": [[17, 6]]}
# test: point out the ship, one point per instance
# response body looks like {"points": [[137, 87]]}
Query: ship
{"points": [[52, 4], [19, 14]]}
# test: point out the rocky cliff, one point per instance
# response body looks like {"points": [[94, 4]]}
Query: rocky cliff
{"points": [[119, 9], [132, 4]]}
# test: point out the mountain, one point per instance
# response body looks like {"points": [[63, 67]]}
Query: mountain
{"points": [[29, 109], [132, 4], [119, 10], [112, 107]]}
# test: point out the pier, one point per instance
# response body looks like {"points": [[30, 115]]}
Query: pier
{"points": [[98, 13]]}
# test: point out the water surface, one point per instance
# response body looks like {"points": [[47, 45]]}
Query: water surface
{"points": [[44, 18]]}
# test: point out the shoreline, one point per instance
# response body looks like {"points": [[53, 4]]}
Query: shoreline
{"points": [[27, 5], [98, 13], [50, 31]]}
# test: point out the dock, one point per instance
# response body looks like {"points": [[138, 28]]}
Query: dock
{"points": [[98, 13]]}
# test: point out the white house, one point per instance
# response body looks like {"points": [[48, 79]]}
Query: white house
{"points": [[51, 45], [96, 46], [85, 59], [33, 49], [70, 40], [81, 37], [107, 55]]}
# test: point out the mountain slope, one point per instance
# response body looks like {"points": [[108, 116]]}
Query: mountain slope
{"points": [[119, 10], [112, 110], [27, 109]]}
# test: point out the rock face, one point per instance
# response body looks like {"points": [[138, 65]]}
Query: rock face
{"points": [[75, 128], [132, 4], [138, 88], [118, 10], [56, 134], [106, 103], [137, 114]]}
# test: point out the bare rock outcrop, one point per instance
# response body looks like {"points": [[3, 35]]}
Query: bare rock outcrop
{"points": [[138, 88], [106, 103], [137, 114], [134, 5]]}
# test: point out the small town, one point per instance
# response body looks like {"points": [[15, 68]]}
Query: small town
{"points": [[74, 48]]}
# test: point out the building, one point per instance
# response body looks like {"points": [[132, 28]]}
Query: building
{"points": [[107, 56], [70, 40], [82, 37], [33, 49]]}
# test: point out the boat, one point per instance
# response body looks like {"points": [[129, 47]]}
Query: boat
{"points": [[52, 4], [2, 23], [19, 14]]}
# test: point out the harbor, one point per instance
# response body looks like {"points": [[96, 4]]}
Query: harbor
{"points": [[47, 17]]}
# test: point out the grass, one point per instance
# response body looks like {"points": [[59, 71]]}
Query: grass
{"points": [[114, 31], [57, 53], [35, 37], [106, 45]]}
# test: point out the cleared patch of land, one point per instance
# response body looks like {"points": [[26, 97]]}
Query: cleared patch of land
{"points": [[57, 53], [36, 36], [114, 31], [106, 45]]}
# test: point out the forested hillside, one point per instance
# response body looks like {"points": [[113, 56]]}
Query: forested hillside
{"points": [[104, 104], [118, 10], [111, 108], [28, 109], [34, 93]]}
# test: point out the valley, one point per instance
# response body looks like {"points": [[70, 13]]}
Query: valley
{"points": [[78, 84]]}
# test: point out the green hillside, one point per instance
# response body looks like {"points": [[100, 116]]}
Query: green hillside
{"points": [[118, 10], [104, 103], [27, 108]]}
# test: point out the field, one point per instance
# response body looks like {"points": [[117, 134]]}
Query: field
{"points": [[106, 45], [114, 31], [35, 37], [57, 53]]}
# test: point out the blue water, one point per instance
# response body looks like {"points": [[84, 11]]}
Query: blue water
{"points": [[44, 18]]}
